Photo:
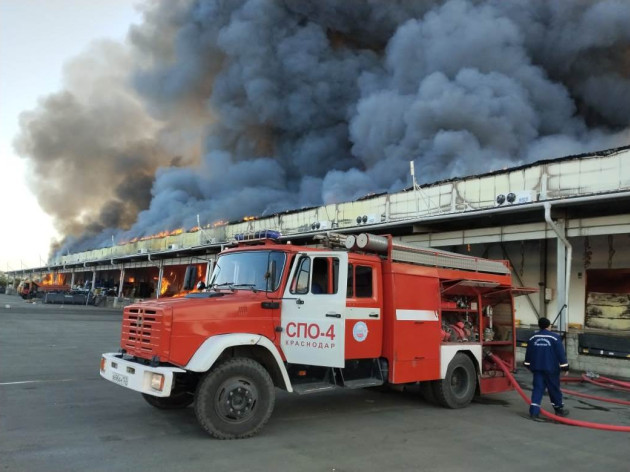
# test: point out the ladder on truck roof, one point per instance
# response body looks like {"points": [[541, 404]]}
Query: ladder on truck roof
{"points": [[416, 254]]}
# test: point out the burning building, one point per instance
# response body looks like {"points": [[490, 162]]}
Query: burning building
{"points": [[254, 107], [293, 111]]}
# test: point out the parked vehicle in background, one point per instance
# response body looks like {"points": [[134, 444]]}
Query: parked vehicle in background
{"points": [[30, 289]]}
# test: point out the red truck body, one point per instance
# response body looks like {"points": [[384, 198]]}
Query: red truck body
{"points": [[307, 319], [30, 289]]}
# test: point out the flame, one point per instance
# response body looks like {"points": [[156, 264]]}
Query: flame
{"points": [[178, 231], [47, 280], [168, 282], [131, 280], [161, 234], [172, 281], [249, 218], [53, 279], [165, 285]]}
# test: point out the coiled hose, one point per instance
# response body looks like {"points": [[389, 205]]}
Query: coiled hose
{"points": [[559, 419]]}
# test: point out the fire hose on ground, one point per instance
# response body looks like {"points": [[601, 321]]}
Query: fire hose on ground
{"points": [[559, 419], [595, 397], [605, 382], [619, 383], [610, 384]]}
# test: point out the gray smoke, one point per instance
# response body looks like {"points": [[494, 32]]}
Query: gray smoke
{"points": [[274, 105], [91, 148]]}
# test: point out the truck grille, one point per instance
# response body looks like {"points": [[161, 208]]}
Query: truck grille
{"points": [[142, 331]]}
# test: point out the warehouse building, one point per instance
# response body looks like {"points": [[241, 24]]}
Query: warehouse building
{"points": [[563, 224]]}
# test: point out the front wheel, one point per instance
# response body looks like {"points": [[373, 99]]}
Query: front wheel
{"points": [[457, 389], [235, 399]]}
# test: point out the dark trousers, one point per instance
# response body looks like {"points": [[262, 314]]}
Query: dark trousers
{"points": [[550, 381]]}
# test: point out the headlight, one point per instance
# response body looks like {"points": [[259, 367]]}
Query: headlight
{"points": [[157, 382]]}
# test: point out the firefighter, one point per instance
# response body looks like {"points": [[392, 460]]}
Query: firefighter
{"points": [[545, 357]]}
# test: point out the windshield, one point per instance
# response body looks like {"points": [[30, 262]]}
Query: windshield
{"points": [[249, 269]]}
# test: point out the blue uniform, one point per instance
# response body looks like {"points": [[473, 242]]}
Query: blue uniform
{"points": [[545, 357]]}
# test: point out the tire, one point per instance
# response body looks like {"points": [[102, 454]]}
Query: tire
{"points": [[235, 399], [457, 389], [174, 402], [426, 390]]}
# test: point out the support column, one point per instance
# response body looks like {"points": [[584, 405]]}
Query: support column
{"points": [[72, 279], [159, 284], [561, 287], [563, 268], [91, 291], [542, 284], [122, 282]]}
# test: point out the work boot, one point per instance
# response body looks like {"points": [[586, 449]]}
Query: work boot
{"points": [[536, 418], [562, 412]]}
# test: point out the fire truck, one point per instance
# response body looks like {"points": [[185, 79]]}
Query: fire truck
{"points": [[348, 312]]}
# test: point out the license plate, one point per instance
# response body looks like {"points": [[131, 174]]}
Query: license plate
{"points": [[120, 379]]}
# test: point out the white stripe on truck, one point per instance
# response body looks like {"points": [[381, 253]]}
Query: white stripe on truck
{"points": [[416, 315]]}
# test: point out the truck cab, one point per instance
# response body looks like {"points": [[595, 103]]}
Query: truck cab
{"points": [[308, 319]]}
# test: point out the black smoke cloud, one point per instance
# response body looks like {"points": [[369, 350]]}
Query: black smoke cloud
{"points": [[273, 105]]}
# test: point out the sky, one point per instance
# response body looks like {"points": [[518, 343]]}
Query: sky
{"points": [[37, 37]]}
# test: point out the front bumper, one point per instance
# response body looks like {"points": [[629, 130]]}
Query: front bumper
{"points": [[136, 376]]}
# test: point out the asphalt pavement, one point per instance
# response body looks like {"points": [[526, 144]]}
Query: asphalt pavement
{"points": [[57, 414]]}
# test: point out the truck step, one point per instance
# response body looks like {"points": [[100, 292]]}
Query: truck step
{"points": [[362, 383], [312, 387]]}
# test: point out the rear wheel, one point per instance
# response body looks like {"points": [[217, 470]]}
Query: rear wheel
{"points": [[457, 389], [235, 399], [426, 390], [176, 401]]}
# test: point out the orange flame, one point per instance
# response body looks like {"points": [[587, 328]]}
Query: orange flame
{"points": [[47, 280], [165, 285], [161, 234], [53, 279]]}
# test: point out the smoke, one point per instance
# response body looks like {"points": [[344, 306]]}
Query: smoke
{"points": [[268, 105], [92, 149]]}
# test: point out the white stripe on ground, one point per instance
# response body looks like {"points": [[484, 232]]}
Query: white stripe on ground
{"points": [[34, 381]]}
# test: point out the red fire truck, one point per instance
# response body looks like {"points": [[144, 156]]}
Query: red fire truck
{"points": [[351, 312]]}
